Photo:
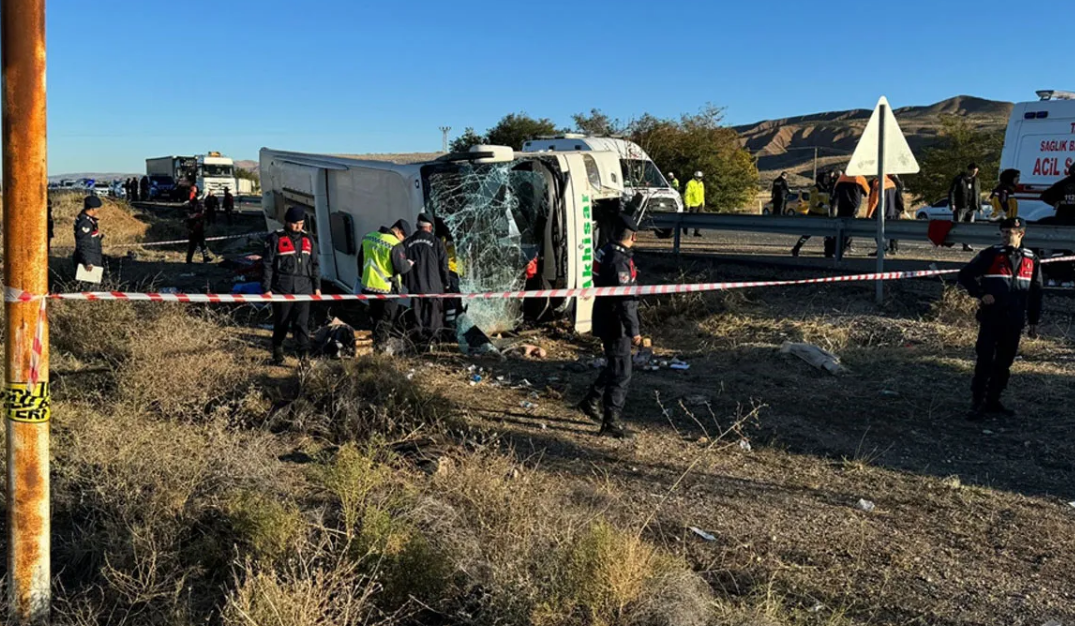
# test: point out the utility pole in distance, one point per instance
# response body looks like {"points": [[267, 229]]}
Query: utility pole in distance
{"points": [[444, 130], [26, 392]]}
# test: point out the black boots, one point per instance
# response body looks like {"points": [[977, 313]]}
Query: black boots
{"points": [[613, 426], [591, 408], [278, 355], [994, 407]]}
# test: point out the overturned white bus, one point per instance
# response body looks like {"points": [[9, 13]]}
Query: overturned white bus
{"points": [[505, 209]]}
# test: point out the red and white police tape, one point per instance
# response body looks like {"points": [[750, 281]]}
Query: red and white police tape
{"points": [[15, 295]]}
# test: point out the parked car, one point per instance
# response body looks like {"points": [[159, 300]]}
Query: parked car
{"points": [[101, 188], [162, 187], [798, 203], [939, 211], [117, 189]]}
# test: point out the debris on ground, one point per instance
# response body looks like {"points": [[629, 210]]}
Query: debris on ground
{"points": [[527, 405], [249, 288], [817, 357], [865, 505], [678, 365], [526, 351], [472, 340], [335, 340], [701, 533], [745, 445], [696, 400], [643, 357]]}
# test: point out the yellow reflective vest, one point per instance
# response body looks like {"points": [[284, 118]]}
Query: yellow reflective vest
{"points": [[377, 261], [695, 195]]}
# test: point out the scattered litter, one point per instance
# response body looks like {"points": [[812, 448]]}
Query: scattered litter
{"points": [[265, 326], [337, 340], [188, 275], [599, 363], [544, 426], [817, 608], [169, 290], [553, 379], [679, 365], [744, 444], [527, 405], [476, 378], [647, 342], [696, 400], [817, 357], [500, 379], [890, 393], [524, 383], [247, 288], [643, 357], [865, 505], [1072, 504], [410, 375], [701, 533], [987, 432]]}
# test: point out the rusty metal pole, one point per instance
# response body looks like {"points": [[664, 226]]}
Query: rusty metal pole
{"points": [[26, 398]]}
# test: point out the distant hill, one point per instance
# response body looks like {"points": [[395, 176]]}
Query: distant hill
{"points": [[785, 144]]}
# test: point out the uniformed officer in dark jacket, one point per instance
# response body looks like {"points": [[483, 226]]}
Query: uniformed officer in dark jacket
{"points": [[429, 274], [88, 235], [212, 203], [291, 266], [615, 322], [1062, 197], [780, 194], [196, 231], [1006, 278], [965, 197]]}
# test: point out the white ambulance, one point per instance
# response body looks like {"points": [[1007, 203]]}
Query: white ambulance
{"points": [[1040, 143]]}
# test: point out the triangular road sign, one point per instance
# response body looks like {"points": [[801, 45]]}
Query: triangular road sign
{"points": [[898, 156]]}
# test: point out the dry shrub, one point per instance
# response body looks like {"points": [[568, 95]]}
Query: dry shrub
{"points": [[527, 557], [307, 593], [117, 221], [608, 573], [182, 362], [355, 400], [955, 308], [136, 511], [269, 527]]}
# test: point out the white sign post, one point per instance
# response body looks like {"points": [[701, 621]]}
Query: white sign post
{"points": [[883, 149]]}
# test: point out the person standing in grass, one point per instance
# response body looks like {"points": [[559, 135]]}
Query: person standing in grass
{"points": [[615, 322], [88, 235], [290, 267], [1006, 279]]}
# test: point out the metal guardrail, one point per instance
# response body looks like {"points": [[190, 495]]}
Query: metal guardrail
{"points": [[1037, 236]]}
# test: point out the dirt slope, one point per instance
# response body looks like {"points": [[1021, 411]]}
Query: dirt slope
{"points": [[779, 143]]}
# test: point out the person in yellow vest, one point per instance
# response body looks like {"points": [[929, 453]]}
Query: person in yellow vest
{"points": [[1003, 197], [382, 262], [672, 180], [694, 198]]}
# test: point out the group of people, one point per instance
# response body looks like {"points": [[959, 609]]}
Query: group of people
{"points": [[202, 212], [136, 191], [693, 195], [392, 260]]}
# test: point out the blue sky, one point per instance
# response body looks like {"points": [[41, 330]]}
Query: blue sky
{"points": [[129, 79]]}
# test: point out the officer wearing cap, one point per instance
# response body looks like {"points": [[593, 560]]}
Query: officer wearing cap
{"points": [[382, 262], [615, 322], [290, 266], [87, 235], [1006, 279]]}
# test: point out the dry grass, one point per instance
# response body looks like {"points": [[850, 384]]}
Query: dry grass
{"points": [[117, 221]]}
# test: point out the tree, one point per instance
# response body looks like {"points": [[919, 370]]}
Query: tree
{"points": [[463, 142], [597, 124], [960, 145], [700, 143], [514, 129], [247, 175]]}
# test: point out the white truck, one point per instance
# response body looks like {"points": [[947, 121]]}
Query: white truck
{"points": [[638, 172], [208, 171], [1040, 143], [215, 173], [518, 220]]}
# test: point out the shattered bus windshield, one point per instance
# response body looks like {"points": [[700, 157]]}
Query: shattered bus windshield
{"points": [[496, 215], [638, 173]]}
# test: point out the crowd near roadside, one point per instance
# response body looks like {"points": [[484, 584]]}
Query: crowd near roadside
{"points": [[1006, 279]]}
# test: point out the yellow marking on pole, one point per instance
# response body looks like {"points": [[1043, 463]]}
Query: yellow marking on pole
{"points": [[28, 404]]}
